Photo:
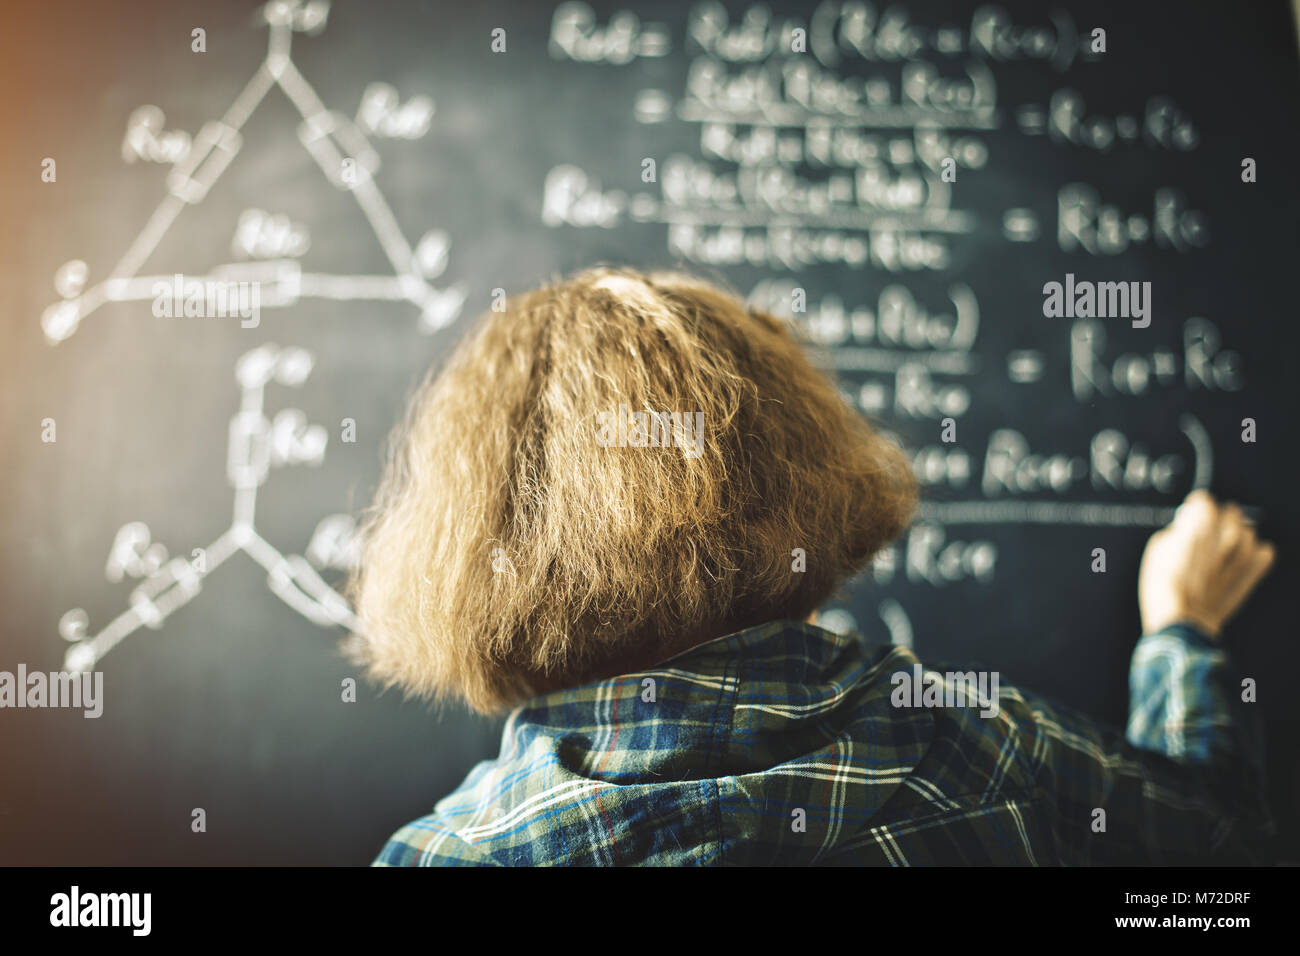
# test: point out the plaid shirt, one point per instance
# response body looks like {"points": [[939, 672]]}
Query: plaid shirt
{"points": [[789, 744]]}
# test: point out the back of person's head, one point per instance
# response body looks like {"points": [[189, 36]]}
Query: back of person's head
{"points": [[527, 538]]}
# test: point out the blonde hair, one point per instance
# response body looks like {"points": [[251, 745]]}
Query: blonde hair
{"points": [[510, 552]]}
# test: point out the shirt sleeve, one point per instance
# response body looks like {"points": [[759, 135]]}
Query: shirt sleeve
{"points": [[1183, 784]]}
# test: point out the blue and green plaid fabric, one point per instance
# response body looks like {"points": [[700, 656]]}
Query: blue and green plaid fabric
{"points": [[783, 744]]}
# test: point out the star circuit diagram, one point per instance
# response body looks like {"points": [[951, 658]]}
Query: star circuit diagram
{"points": [[256, 445]]}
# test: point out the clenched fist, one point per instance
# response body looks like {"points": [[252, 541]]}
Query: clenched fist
{"points": [[1200, 568]]}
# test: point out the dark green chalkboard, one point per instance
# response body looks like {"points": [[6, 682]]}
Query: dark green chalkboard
{"points": [[817, 173]]}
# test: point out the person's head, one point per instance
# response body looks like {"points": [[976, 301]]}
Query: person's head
{"points": [[553, 514]]}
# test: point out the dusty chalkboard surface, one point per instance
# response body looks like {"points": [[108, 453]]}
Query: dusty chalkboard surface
{"points": [[901, 182]]}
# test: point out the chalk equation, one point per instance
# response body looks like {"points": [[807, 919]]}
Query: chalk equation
{"points": [[840, 139], [769, 95]]}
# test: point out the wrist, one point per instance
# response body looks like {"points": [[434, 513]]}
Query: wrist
{"points": [[1196, 622]]}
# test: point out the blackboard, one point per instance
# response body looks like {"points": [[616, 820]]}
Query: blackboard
{"points": [[900, 181]]}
